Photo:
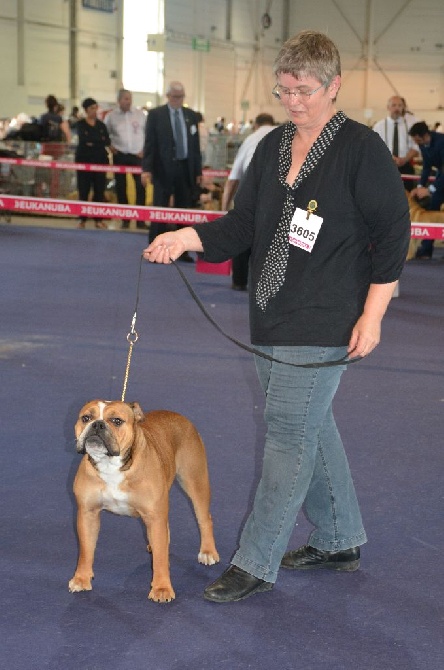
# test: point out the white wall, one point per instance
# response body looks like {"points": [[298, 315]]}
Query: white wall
{"points": [[35, 54], [234, 70], [404, 43], [99, 53], [386, 46]]}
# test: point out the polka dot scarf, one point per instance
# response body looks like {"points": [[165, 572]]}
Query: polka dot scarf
{"points": [[275, 266]]}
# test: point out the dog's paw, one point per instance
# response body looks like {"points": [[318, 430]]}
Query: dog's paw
{"points": [[79, 584], [161, 595], [208, 558]]}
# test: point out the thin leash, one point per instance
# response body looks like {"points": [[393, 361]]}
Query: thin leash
{"points": [[132, 336]]}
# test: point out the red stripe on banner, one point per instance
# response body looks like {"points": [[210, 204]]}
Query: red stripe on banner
{"points": [[431, 231], [132, 169], [181, 217], [91, 167], [414, 177], [103, 210]]}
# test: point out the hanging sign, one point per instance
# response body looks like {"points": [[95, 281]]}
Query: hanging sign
{"points": [[100, 5], [200, 44]]}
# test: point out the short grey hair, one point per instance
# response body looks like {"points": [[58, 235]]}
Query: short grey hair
{"points": [[309, 54], [175, 86]]}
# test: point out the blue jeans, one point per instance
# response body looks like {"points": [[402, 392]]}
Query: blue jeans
{"points": [[304, 463]]}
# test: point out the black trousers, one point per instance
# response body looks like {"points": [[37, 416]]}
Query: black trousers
{"points": [[434, 204], [128, 159], [182, 192], [91, 180], [409, 184]]}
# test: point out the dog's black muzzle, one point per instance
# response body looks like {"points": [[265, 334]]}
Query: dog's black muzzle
{"points": [[98, 434]]}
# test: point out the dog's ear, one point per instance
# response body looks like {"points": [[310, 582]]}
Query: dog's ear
{"points": [[137, 410]]}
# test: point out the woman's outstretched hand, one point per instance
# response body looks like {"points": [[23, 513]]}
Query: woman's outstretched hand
{"points": [[169, 246], [164, 248]]}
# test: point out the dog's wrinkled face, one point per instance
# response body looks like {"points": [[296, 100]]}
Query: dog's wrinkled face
{"points": [[106, 428]]}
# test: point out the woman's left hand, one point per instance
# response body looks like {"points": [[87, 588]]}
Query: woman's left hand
{"points": [[365, 336], [367, 331]]}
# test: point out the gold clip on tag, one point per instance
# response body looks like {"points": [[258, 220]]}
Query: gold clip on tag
{"points": [[311, 207]]}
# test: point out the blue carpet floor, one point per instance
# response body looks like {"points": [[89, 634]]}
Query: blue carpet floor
{"points": [[67, 299]]}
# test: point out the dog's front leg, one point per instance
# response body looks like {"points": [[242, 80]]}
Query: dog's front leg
{"points": [[158, 533], [88, 526]]}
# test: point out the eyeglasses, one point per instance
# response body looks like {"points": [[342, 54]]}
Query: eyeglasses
{"points": [[282, 93]]}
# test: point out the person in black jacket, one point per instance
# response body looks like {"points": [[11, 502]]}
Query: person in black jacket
{"points": [[171, 156], [55, 135], [53, 127], [431, 145], [92, 148], [329, 237]]}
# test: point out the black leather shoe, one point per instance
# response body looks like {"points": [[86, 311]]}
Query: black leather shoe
{"points": [[310, 558], [235, 584]]}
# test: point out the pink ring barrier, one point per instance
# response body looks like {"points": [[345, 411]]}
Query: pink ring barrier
{"points": [[104, 210], [92, 167], [167, 215]]}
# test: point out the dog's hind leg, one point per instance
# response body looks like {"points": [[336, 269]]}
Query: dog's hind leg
{"points": [[200, 495], [192, 475]]}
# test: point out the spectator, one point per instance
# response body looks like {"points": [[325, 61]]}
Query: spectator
{"points": [[262, 126], [394, 130], [55, 132], [54, 127], [431, 145], [74, 117], [126, 128], [220, 125], [91, 148], [203, 136], [172, 160]]}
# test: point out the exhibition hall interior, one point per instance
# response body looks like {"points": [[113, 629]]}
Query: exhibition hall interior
{"points": [[222, 225]]}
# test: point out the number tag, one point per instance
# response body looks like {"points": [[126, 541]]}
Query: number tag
{"points": [[303, 230]]}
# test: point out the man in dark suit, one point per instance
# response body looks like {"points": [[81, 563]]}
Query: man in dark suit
{"points": [[431, 145], [171, 156]]}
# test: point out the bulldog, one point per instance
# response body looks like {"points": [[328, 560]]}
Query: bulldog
{"points": [[129, 464]]}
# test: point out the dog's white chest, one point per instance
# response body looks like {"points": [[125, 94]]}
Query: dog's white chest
{"points": [[113, 498]]}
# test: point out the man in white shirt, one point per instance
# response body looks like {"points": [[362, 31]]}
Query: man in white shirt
{"points": [[126, 128], [394, 130], [262, 125]]}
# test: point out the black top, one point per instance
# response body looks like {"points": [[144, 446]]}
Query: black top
{"points": [[50, 123], [93, 141], [363, 239]]}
